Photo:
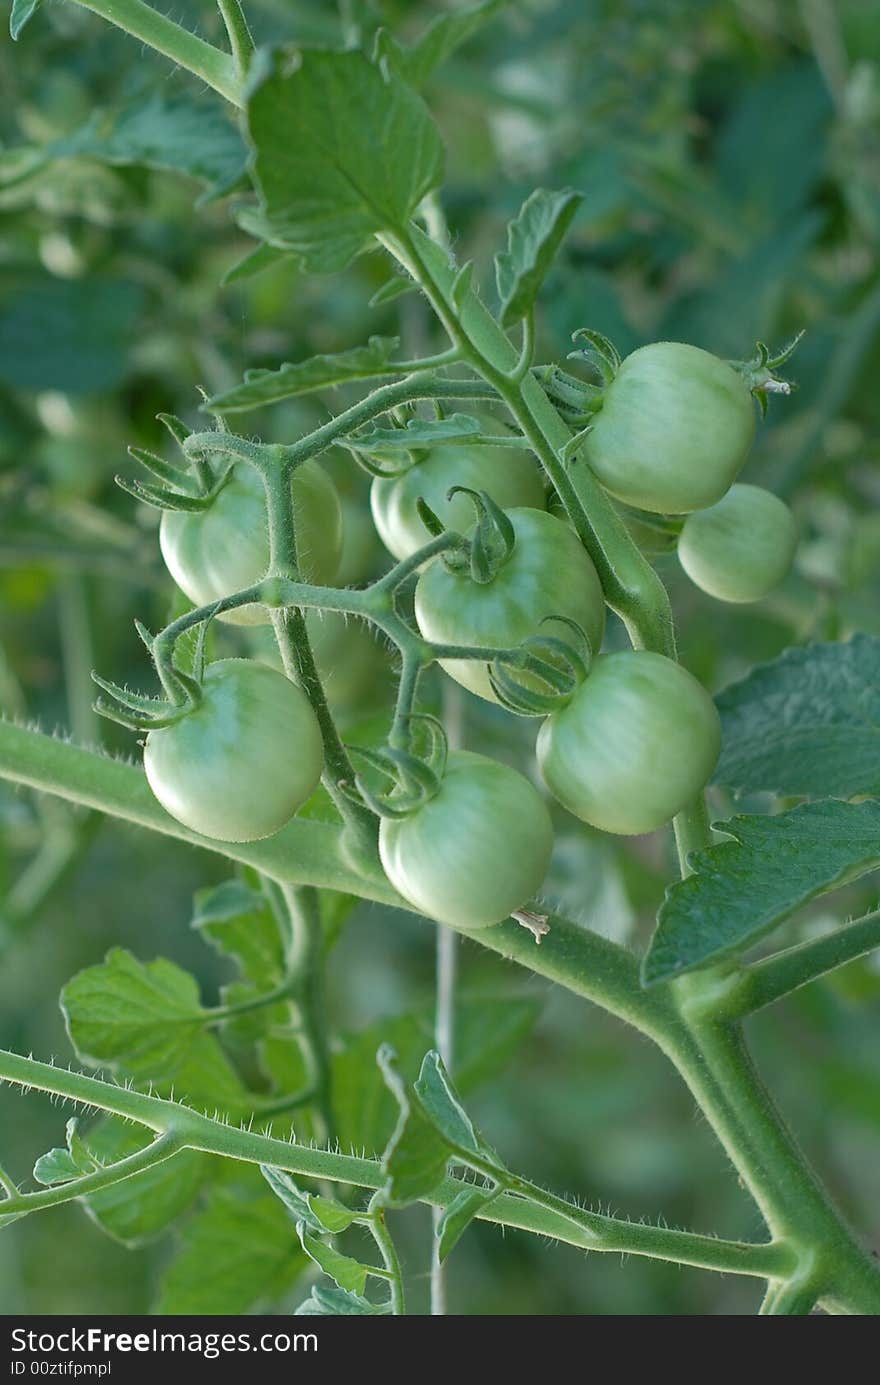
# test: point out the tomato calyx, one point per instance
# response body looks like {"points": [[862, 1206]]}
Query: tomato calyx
{"points": [[544, 672], [414, 779], [760, 371], [490, 545], [137, 712], [192, 488]]}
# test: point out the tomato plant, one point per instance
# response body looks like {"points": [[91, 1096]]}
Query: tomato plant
{"points": [[635, 745], [674, 429], [546, 574], [740, 548], [214, 552], [510, 477], [260, 256], [476, 850], [238, 764]]}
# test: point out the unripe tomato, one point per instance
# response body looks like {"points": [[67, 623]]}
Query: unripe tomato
{"points": [[547, 574], [636, 743], [508, 475], [225, 548], [242, 762], [741, 548], [476, 851], [674, 429]]}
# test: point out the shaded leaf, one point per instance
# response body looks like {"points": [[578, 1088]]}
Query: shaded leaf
{"points": [[235, 1253], [302, 377], [336, 1303], [416, 1157], [323, 1215], [146, 1019], [808, 723], [533, 240], [342, 151], [741, 889], [23, 12], [418, 432], [442, 1107], [345, 1272], [457, 1217]]}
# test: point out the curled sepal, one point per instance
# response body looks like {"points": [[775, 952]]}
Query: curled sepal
{"points": [[139, 713], [413, 779], [493, 539], [599, 352], [191, 489], [760, 371], [542, 674], [455, 558]]}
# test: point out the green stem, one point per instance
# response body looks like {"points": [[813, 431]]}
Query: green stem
{"points": [[185, 1129], [388, 1251], [155, 1153], [241, 43], [306, 961], [183, 48], [776, 976]]}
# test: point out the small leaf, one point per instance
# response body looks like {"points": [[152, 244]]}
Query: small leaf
{"points": [[304, 377], [806, 724], [347, 1273], [342, 151], [442, 1107], [447, 33], [741, 889], [458, 1216], [23, 12], [416, 1158], [256, 261], [323, 1215], [64, 1165], [235, 1252], [336, 1302], [393, 288], [533, 239], [146, 1019], [419, 432]]}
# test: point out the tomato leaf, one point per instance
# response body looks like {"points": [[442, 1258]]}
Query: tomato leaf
{"points": [[23, 12], [741, 889], [458, 1216], [256, 261], [416, 1157], [346, 1273], [323, 1215], [146, 1020], [439, 41], [235, 1253], [304, 377], [342, 152], [806, 724], [533, 239], [325, 1302], [182, 134], [418, 432], [441, 1105]]}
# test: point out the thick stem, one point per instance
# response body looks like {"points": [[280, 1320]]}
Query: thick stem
{"points": [[240, 42], [784, 972], [306, 962], [183, 48]]}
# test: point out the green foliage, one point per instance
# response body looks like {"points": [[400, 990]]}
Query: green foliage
{"points": [[740, 889], [533, 241], [342, 152], [417, 62], [806, 723], [302, 377], [72, 335]]}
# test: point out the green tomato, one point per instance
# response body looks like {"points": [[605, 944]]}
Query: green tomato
{"points": [[476, 851], [636, 743], [242, 762], [508, 475], [741, 548], [547, 574], [225, 548], [674, 429]]}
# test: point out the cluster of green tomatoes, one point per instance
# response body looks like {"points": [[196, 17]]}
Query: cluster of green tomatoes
{"points": [[624, 745]]}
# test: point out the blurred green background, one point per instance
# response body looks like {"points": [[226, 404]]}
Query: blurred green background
{"points": [[730, 161]]}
